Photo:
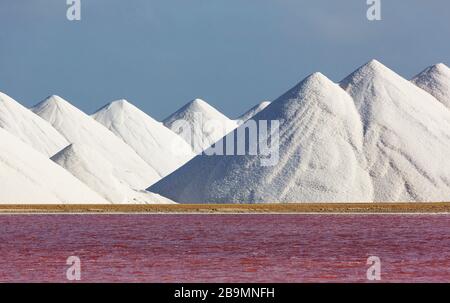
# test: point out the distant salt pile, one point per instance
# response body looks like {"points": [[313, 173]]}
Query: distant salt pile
{"points": [[206, 124], [321, 157], [252, 112], [162, 149], [436, 80], [29, 128], [27, 176], [406, 135]]}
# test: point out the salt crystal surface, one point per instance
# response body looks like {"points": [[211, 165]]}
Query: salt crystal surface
{"points": [[162, 149], [88, 165], [435, 80], [27, 176], [406, 135], [30, 128], [207, 124], [252, 112], [321, 156], [78, 128]]}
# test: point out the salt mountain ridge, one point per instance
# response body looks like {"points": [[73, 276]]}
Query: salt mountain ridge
{"points": [[162, 149], [252, 112], [435, 80], [88, 165], [321, 156], [78, 128], [400, 143], [206, 124], [406, 135], [373, 137], [29, 128], [28, 176]]}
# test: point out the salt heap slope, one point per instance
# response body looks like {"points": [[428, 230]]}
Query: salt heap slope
{"points": [[320, 156], [435, 80], [77, 127], [28, 176], [79, 159], [406, 135], [206, 124], [252, 112], [161, 148], [30, 128]]}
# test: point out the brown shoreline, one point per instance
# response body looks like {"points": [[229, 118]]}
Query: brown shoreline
{"points": [[441, 207]]}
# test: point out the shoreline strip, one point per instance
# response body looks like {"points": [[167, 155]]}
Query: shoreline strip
{"points": [[293, 208]]}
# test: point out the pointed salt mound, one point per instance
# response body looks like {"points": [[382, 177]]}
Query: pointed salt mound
{"points": [[30, 128], [101, 177], [436, 81], [29, 177], [161, 148], [407, 135], [320, 156], [206, 124], [252, 112], [77, 127]]}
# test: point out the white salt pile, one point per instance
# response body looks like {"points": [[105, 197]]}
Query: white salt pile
{"points": [[27, 176], [373, 137], [77, 127], [252, 112], [206, 124], [30, 128], [98, 173], [320, 150], [406, 135], [435, 80], [162, 149]]}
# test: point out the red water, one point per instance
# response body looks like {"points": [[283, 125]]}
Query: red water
{"points": [[225, 248]]}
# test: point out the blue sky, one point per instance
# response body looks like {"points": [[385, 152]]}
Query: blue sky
{"points": [[159, 54]]}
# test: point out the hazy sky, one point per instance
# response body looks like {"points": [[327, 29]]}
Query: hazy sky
{"points": [[159, 54]]}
